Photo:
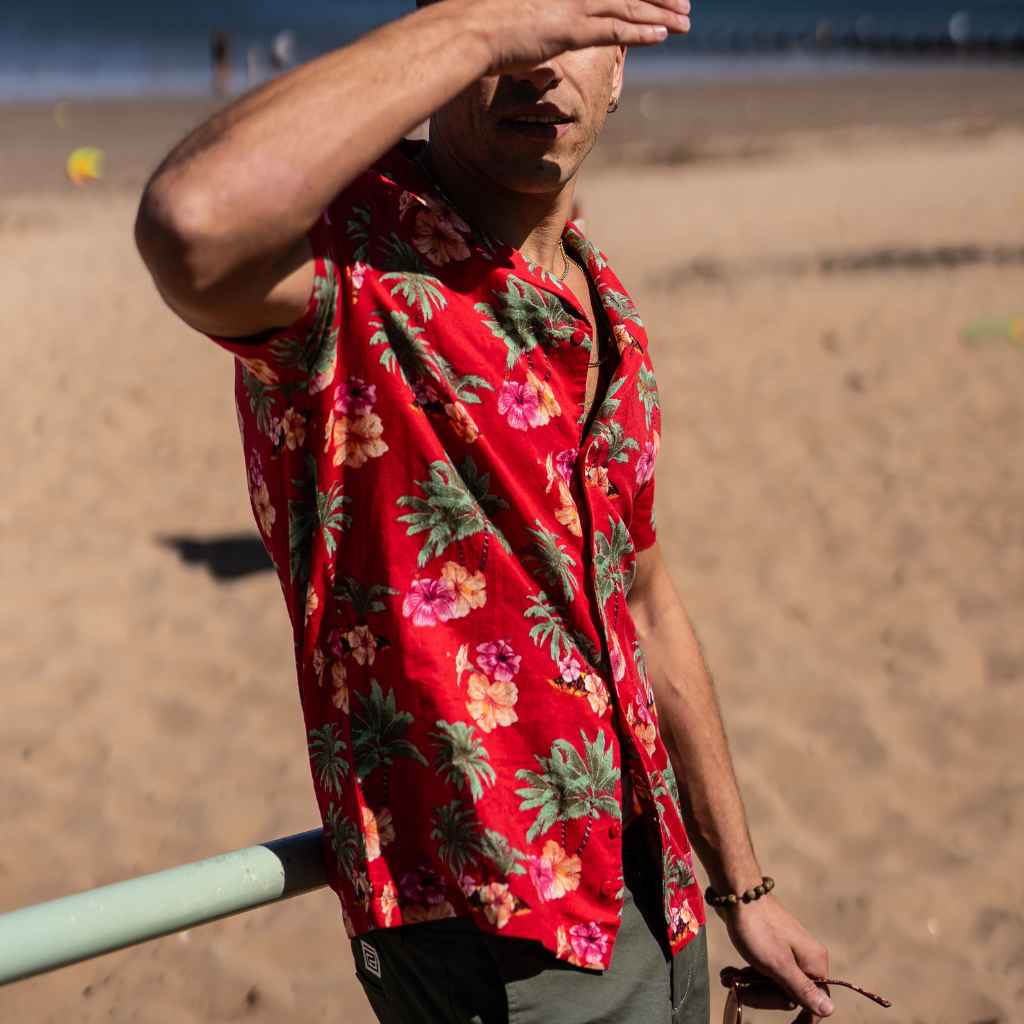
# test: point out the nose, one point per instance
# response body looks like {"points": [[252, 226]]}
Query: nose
{"points": [[541, 77]]}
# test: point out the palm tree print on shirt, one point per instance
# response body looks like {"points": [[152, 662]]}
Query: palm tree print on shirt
{"points": [[457, 505], [609, 551], [647, 392], [526, 317], [555, 561], [378, 736], [571, 786], [462, 758], [327, 753], [420, 289]]}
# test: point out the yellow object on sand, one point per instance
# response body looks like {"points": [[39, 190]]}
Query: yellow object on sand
{"points": [[85, 164]]}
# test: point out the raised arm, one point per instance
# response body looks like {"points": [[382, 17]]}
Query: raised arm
{"points": [[691, 726], [223, 221]]}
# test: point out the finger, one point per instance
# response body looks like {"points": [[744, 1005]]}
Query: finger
{"points": [[767, 997], [812, 957], [624, 33], [807, 993], [643, 12]]}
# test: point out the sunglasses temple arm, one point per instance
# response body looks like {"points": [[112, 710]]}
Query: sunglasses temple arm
{"points": [[856, 988]]}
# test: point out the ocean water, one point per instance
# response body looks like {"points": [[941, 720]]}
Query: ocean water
{"points": [[54, 48]]}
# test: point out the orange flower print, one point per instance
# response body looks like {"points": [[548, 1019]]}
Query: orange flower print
{"points": [[357, 440], [461, 663], [491, 704], [265, 513], [549, 407], [597, 476], [568, 515], [293, 426], [378, 831], [463, 424], [554, 873], [339, 677], [498, 903], [362, 644], [312, 603], [469, 588], [623, 339], [597, 693], [682, 919], [260, 370], [388, 902], [438, 235], [319, 662], [644, 728]]}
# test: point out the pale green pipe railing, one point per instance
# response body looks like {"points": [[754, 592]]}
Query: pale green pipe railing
{"points": [[64, 931]]}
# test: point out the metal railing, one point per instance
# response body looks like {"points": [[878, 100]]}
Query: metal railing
{"points": [[64, 931]]}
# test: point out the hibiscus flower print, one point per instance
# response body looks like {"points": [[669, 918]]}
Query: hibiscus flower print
{"points": [[568, 514], [565, 462], [260, 370], [439, 235], [644, 728], [355, 397], [597, 693], [645, 460], [491, 704], [519, 403], [339, 683], [498, 903], [618, 660], [265, 514], [463, 424], [312, 603], [388, 902], [293, 429], [469, 588], [378, 831], [362, 644], [589, 944], [357, 440], [547, 403], [429, 602], [461, 663], [682, 919], [498, 659], [554, 872]]}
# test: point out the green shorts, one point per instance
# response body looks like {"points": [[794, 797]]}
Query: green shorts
{"points": [[451, 972]]}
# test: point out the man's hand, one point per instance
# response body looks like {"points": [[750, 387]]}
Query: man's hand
{"points": [[773, 941], [529, 32]]}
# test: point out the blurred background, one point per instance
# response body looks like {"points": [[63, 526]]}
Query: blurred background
{"points": [[819, 209]]}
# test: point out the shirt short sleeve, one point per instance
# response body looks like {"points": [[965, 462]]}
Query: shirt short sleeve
{"points": [[643, 526], [299, 357]]}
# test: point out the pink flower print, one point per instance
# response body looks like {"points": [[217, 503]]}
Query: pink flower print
{"points": [[422, 885], [429, 602], [520, 404], [498, 659], [682, 919], [423, 392], [617, 659], [565, 463], [405, 200], [588, 942], [355, 397], [645, 463], [570, 668], [437, 236], [358, 274]]}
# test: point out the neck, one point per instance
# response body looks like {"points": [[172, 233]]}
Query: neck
{"points": [[530, 222]]}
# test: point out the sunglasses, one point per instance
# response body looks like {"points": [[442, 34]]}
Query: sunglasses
{"points": [[764, 992]]}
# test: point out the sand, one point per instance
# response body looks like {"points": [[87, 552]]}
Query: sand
{"points": [[840, 496]]}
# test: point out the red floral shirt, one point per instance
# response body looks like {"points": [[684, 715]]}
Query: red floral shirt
{"points": [[455, 559]]}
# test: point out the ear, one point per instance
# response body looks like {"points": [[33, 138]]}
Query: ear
{"points": [[618, 73]]}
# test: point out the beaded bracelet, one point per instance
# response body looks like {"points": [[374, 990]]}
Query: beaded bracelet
{"points": [[766, 886]]}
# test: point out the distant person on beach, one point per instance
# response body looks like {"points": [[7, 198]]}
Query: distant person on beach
{"points": [[220, 59], [450, 423]]}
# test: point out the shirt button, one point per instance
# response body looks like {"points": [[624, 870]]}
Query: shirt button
{"points": [[609, 887], [615, 830]]}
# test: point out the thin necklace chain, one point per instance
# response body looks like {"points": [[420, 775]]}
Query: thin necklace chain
{"points": [[422, 160]]}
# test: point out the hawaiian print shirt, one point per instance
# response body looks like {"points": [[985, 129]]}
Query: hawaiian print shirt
{"points": [[455, 558]]}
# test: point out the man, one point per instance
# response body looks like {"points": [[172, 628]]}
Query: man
{"points": [[450, 421]]}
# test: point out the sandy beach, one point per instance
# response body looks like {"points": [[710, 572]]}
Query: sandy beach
{"points": [[840, 495]]}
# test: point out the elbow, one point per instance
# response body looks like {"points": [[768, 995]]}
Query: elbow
{"points": [[177, 242]]}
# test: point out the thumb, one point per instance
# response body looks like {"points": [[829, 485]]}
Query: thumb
{"points": [[805, 991]]}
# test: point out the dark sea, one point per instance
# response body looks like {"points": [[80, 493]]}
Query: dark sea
{"points": [[55, 48]]}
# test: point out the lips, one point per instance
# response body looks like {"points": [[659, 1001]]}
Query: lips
{"points": [[542, 121]]}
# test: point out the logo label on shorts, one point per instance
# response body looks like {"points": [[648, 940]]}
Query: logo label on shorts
{"points": [[370, 959]]}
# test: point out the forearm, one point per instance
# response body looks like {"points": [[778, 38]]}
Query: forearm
{"points": [[250, 182], [691, 727]]}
